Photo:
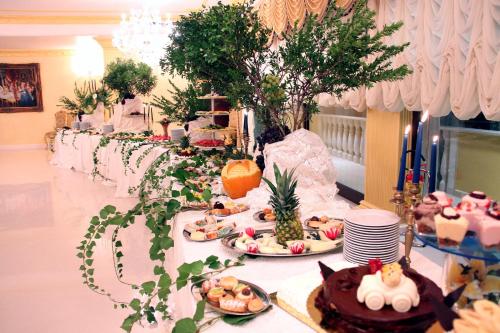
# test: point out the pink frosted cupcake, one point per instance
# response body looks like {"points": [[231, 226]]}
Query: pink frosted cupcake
{"points": [[478, 197], [451, 227], [489, 230], [443, 199], [424, 215]]}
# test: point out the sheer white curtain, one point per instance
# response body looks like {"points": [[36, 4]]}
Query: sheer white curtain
{"points": [[454, 53]]}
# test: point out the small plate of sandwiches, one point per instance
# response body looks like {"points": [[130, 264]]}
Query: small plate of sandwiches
{"points": [[208, 229], [323, 222], [227, 208], [265, 215], [228, 295]]}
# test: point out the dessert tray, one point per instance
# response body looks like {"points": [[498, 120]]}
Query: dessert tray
{"points": [[226, 209], [470, 248], [231, 296], [207, 229], [264, 215], [323, 222], [263, 243]]}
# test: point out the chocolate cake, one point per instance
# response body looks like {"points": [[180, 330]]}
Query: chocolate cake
{"points": [[343, 313]]}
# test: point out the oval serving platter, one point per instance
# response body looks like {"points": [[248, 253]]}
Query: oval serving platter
{"points": [[266, 299], [187, 235], [230, 239], [256, 218], [306, 222]]}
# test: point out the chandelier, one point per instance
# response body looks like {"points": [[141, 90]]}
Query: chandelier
{"points": [[143, 35]]}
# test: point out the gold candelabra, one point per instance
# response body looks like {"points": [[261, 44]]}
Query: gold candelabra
{"points": [[407, 212]]}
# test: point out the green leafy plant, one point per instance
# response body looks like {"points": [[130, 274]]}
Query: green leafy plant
{"points": [[183, 105], [227, 45], [128, 77], [86, 99]]}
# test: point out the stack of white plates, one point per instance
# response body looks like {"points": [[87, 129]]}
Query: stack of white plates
{"points": [[370, 234]]}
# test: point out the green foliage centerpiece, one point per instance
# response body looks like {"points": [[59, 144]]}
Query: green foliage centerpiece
{"points": [[86, 99], [228, 46], [129, 78]]}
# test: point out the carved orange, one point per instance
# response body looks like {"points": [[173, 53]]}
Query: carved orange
{"points": [[239, 177]]}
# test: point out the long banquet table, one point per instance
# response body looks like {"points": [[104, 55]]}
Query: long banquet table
{"points": [[75, 151], [269, 273]]}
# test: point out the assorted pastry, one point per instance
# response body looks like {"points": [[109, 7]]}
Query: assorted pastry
{"points": [[231, 295], [264, 242], [209, 228], [475, 216], [227, 208], [378, 298], [265, 215], [323, 222], [481, 281]]}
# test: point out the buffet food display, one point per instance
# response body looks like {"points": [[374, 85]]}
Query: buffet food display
{"points": [[208, 228], [265, 243], [229, 295]]}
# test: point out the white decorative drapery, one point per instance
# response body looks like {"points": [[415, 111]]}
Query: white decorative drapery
{"points": [[454, 53]]}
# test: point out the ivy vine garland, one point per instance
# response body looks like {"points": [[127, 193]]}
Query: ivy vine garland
{"points": [[103, 142], [157, 213]]}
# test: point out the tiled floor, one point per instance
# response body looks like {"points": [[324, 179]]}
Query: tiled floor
{"points": [[43, 214]]}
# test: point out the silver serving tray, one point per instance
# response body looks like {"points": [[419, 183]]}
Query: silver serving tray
{"points": [[266, 299], [256, 218], [229, 240]]}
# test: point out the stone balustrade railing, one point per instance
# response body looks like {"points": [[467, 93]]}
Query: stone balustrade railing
{"points": [[343, 135]]}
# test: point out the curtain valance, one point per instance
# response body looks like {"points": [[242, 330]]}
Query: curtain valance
{"points": [[454, 53]]}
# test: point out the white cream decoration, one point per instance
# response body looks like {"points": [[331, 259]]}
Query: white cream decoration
{"points": [[375, 293]]}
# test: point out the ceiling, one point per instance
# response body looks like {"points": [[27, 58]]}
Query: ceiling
{"points": [[54, 24]]}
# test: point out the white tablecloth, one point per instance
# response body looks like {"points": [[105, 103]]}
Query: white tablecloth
{"points": [[77, 153]]}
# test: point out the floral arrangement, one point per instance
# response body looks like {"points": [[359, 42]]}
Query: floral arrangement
{"points": [[86, 99]]}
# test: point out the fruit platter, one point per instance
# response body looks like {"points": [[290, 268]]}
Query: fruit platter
{"points": [[228, 295], [265, 215], [323, 222], [227, 208], [207, 229], [265, 243]]}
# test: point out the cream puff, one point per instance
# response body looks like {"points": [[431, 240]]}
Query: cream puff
{"points": [[228, 282]]}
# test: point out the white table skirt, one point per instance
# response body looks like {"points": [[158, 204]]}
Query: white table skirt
{"points": [[77, 153]]}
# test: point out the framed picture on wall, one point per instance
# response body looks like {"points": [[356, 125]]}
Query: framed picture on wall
{"points": [[20, 88]]}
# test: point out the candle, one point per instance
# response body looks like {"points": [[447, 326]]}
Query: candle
{"points": [[151, 110], [418, 149], [144, 112], [402, 165], [245, 123], [433, 172]]}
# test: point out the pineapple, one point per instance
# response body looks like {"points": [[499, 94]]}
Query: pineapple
{"points": [[285, 204], [185, 142]]}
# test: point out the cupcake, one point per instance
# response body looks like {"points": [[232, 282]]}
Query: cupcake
{"points": [[424, 215], [451, 227], [489, 230], [478, 197]]}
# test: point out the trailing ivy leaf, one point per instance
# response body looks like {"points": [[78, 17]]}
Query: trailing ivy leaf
{"points": [[185, 325], [200, 311], [148, 287], [135, 304], [118, 244], [237, 320], [175, 194], [206, 195], [165, 281], [158, 270], [166, 243], [129, 321], [89, 262]]}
